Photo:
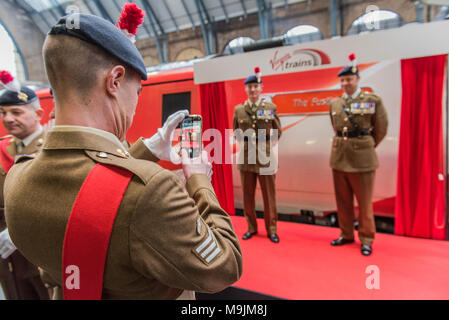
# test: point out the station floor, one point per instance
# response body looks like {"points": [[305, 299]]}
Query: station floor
{"points": [[304, 266]]}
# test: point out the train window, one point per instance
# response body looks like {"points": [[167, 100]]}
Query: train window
{"points": [[174, 102]]}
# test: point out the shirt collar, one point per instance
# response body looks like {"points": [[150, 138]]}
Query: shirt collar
{"points": [[258, 102], [354, 95], [32, 136]]}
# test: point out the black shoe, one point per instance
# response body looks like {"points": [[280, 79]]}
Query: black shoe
{"points": [[366, 249], [274, 238], [248, 235], [341, 241]]}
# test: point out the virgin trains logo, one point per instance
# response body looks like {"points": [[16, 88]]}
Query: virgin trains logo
{"points": [[301, 58]]}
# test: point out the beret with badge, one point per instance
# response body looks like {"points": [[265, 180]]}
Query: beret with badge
{"points": [[116, 40], [14, 94], [255, 78], [351, 69]]}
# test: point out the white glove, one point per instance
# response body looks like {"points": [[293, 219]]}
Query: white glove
{"points": [[6, 245], [199, 165], [160, 143]]}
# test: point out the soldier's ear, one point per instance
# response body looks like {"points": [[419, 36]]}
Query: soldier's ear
{"points": [[39, 113], [114, 79]]}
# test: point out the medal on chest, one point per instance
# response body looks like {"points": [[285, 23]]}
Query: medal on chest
{"points": [[363, 108]]}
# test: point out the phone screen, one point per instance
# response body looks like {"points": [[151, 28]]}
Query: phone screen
{"points": [[191, 131]]}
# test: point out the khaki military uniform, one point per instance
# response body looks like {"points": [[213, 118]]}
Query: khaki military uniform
{"points": [[166, 238], [354, 160], [19, 278], [257, 161]]}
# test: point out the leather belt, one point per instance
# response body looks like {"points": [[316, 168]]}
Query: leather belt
{"points": [[353, 133], [256, 138]]}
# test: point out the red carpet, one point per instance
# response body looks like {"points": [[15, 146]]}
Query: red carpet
{"points": [[305, 266]]}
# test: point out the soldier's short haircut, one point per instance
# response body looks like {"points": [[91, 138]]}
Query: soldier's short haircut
{"points": [[74, 65]]}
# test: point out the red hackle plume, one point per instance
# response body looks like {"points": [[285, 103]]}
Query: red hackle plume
{"points": [[130, 19], [9, 81], [6, 77], [352, 57]]}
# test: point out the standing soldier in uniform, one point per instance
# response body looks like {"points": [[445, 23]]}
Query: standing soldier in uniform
{"points": [[165, 239], [360, 122], [256, 123], [20, 112]]}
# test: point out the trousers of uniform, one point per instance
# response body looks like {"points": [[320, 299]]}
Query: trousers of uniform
{"points": [[249, 181], [360, 184], [16, 287]]}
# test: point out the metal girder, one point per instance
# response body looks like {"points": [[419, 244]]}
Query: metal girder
{"points": [[150, 9], [264, 20], [244, 8], [334, 15], [86, 3], [203, 29], [224, 11], [103, 11], [31, 13], [53, 14], [419, 12], [188, 13], [58, 7], [209, 27], [171, 15], [206, 13], [162, 52]]}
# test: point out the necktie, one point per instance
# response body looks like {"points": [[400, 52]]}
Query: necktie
{"points": [[19, 146]]}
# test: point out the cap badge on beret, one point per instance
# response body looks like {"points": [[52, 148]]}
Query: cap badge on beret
{"points": [[22, 96]]}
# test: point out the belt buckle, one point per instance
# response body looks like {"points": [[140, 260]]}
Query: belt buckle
{"points": [[345, 133]]}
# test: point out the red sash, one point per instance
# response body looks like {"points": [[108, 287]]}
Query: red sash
{"points": [[89, 229], [6, 159]]}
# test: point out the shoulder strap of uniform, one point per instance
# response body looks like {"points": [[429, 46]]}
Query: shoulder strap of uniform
{"points": [[89, 229]]}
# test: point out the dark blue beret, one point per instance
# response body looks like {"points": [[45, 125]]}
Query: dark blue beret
{"points": [[253, 79], [104, 34], [12, 98], [349, 71]]}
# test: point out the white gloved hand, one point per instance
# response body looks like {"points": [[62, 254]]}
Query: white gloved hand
{"points": [[199, 165], [6, 245], [160, 143]]}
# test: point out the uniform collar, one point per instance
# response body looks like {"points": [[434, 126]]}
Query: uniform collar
{"points": [[249, 106], [32, 136], [86, 138], [354, 95], [258, 102]]}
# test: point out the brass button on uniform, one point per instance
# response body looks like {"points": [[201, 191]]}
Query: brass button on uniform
{"points": [[122, 153]]}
